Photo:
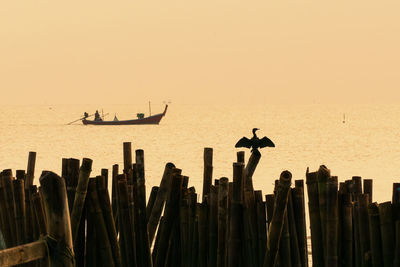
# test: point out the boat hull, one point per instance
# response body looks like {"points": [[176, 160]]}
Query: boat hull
{"points": [[155, 119]]}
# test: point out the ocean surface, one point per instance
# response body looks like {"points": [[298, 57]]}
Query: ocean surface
{"points": [[366, 145]]}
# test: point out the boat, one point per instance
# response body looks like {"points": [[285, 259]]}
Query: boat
{"points": [[141, 119]]}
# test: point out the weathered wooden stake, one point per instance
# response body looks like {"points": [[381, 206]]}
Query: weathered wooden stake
{"points": [[276, 226]]}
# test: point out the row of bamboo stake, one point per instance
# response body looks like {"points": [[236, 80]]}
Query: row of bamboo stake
{"points": [[231, 225]]}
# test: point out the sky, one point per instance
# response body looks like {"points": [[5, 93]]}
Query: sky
{"points": [[185, 51]]}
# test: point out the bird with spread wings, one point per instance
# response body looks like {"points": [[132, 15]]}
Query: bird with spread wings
{"points": [[255, 143]]}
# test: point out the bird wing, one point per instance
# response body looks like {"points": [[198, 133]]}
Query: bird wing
{"points": [[265, 141], [243, 142]]}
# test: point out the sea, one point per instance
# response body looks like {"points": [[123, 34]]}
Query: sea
{"points": [[351, 140]]}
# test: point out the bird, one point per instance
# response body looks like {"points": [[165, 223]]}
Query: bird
{"points": [[255, 142]]}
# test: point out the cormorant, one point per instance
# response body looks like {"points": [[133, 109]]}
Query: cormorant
{"points": [[255, 142]]}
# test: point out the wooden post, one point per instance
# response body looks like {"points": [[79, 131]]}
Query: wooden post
{"points": [[56, 205], [152, 199], [275, 230], [294, 239], [171, 212], [80, 196], [332, 213], [109, 222], [9, 201], [375, 235], [143, 245], [30, 170], [222, 221], [250, 168], [300, 218], [40, 216], [71, 180], [323, 175], [114, 195], [208, 169], [23, 254], [104, 173], [387, 232], [261, 226], [363, 201], [159, 202], [397, 247], [368, 189], [201, 211], [19, 212], [269, 201], [212, 226], [240, 156], [315, 219], [127, 241], [103, 247], [347, 230]]}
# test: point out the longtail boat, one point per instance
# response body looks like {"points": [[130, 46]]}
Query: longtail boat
{"points": [[141, 119]]}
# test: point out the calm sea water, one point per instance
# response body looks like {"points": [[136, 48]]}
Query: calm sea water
{"points": [[367, 144]]}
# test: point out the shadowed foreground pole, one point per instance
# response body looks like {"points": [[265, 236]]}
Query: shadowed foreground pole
{"points": [[60, 238], [276, 225], [80, 195], [208, 169], [315, 219], [387, 232], [30, 170], [161, 197], [375, 235]]}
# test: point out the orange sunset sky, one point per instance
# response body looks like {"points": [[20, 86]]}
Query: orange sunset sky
{"points": [[261, 51]]}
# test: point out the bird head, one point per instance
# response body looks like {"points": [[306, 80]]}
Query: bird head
{"points": [[254, 130]]}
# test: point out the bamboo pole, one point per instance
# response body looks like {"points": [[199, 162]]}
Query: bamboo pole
{"points": [[208, 169], [91, 242], [275, 230], [104, 173], [363, 201], [346, 230], [19, 211], [332, 213], [240, 156], [157, 239], [323, 175], [80, 195], [315, 219], [109, 222], [375, 235], [103, 247], [114, 195], [143, 245], [170, 216], [192, 197], [284, 254], [127, 241], [269, 201], [23, 254], [300, 219], [40, 216], [222, 221], [387, 232], [250, 168], [9, 203], [30, 170], [294, 239], [184, 229], [20, 174], [235, 220], [397, 247], [56, 205], [212, 226], [71, 180], [261, 226], [160, 199], [368, 189], [152, 199], [201, 211]]}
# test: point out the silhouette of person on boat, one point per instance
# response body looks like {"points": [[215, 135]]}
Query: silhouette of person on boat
{"points": [[97, 116]]}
